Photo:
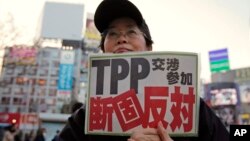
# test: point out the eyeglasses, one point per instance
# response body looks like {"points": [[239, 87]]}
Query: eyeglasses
{"points": [[131, 33]]}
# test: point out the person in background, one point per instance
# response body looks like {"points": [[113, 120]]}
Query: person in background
{"points": [[124, 29], [10, 132], [1, 133], [76, 106], [40, 135], [30, 136], [56, 137], [27, 137], [18, 136]]}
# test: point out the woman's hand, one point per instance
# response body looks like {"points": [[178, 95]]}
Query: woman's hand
{"points": [[151, 134]]}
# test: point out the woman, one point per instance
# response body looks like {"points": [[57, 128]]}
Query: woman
{"points": [[124, 30]]}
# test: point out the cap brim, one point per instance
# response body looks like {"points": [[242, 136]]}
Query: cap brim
{"points": [[109, 10]]}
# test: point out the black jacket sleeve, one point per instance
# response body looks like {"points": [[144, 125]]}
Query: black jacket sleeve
{"points": [[210, 128]]}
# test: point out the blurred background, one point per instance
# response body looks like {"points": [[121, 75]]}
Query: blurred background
{"points": [[44, 47]]}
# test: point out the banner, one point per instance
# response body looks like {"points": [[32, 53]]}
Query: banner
{"points": [[66, 71], [138, 90]]}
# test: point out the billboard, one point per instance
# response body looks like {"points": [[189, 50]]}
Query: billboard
{"points": [[92, 36], [219, 60], [225, 96], [222, 93], [21, 55], [62, 21], [28, 121], [137, 90], [9, 118], [224, 99]]}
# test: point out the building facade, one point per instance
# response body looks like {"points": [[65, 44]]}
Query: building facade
{"points": [[29, 80]]}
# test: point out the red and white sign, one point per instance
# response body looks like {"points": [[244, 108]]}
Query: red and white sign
{"points": [[27, 121], [10, 118], [138, 90]]}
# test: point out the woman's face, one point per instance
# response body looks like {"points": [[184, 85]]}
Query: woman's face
{"points": [[123, 35]]}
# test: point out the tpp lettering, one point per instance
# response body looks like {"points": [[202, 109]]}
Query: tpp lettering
{"points": [[240, 132], [136, 70]]}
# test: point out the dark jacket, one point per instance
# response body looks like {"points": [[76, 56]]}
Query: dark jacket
{"points": [[210, 128], [40, 138]]}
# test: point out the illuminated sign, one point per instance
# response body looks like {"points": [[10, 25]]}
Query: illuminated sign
{"points": [[66, 70]]}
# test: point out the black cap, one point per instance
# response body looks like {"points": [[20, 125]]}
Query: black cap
{"points": [[109, 10]]}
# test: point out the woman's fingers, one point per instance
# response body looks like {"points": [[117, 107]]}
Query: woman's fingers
{"points": [[163, 133], [151, 134], [146, 131], [148, 134]]}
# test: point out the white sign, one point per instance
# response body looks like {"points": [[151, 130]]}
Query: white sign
{"points": [[139, 90], [62, 21]]}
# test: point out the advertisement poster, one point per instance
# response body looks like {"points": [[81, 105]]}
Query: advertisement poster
{"points": [[224, 99], [225, 96], [138, 90], [245, 93], [92, 36], [28, 121], [222, 94], [21, 56], [66, 71]]}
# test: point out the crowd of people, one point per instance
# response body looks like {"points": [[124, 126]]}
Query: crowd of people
{"points": [[13, 133]]}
